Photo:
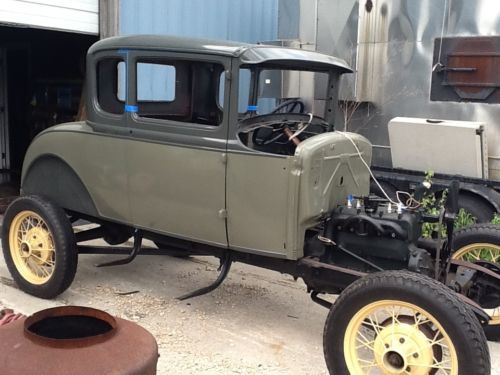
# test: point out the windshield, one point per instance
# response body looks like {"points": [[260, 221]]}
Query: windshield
{"points": [[265, 91]]}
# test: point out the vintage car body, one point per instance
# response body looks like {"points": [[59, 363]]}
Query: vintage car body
{"points": [[192, 181], [198, 146]]}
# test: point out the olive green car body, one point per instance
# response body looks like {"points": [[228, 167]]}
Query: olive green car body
{"points": [[190, 181]]}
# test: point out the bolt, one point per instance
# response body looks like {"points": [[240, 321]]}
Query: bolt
{"points": [[408, 369], [387, 346], [415, 355], [402, 340]]}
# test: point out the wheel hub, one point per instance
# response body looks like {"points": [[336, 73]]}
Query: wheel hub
{"points": [[402, 348], [32, 247], [38, 243], [25, 250], [395, 361]]}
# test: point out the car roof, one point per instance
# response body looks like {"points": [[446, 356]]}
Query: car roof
{"points": [[247, 53]]}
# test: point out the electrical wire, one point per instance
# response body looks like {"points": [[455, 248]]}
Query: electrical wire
{"points": [[439, 65], [411, 203], [301, 129]]}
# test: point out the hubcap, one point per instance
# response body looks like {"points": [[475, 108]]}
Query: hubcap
{"points": [[482, 251], [399, 344], [32, 247], [395, 337]]}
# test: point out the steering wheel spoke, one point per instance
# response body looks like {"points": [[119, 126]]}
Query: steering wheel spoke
{"points": [[282, 130]]}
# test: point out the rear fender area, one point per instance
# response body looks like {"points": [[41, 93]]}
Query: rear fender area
{"points": [[53, 178], [80, 169]]}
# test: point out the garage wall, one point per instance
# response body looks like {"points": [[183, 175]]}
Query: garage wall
{"points": [[75, 16], [241, 20]]}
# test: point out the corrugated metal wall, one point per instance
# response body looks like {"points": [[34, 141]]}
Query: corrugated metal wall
{"points": [[76, 15], [241, 20]]}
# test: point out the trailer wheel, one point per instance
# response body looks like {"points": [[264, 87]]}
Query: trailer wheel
{"points": [[398, 322], [39, 246], [388, 188], [477, 207], [480, 242]]}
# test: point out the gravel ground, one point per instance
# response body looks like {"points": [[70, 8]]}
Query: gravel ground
{"points": [[257, 322]]}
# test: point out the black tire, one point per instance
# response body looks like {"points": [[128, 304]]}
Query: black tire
{"points": [[479, 234], [456, 319], [476, 233], [477, 207], [65, 257]]}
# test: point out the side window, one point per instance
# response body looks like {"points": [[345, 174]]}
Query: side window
{"points": [[155, 82], [222, 84], [179, 90], [111, 85], [121, 81], [244, 90]]}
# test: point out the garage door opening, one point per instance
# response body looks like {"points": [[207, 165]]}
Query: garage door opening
{"points": [[41, 82]]}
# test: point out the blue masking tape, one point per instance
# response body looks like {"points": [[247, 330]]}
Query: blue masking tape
{"points": [[252, 108], [131, 108]]}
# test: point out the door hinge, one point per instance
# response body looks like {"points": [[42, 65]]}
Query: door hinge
{"points": [[222, 213]]}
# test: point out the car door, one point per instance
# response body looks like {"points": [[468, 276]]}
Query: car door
{"points": [[176, 149]]}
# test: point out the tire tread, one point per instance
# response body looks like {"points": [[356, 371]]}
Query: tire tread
{"points": [[63, 236], [469, 324]]}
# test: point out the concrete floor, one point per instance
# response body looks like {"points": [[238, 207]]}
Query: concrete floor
{"points": [[257, 322]]}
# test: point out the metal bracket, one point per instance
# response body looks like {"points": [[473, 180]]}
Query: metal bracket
{"points": [[225, 266], [133, 254], [321, 301]]}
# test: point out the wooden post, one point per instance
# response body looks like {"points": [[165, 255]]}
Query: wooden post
{"points": [[108, 18], [108, 26]]}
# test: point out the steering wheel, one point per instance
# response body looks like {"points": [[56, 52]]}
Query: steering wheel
{"points": [[278, 128], [289, 106], [266, 135]]}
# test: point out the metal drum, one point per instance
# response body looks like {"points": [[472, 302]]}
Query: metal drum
{"points": [[76, 340]]}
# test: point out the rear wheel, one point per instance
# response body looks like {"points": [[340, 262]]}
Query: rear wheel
{"points": [[477, 207], [389, 189], [480, 242], [39, 246], [397, 322]]}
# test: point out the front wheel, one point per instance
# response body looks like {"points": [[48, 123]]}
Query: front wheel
{"points": [[39, 246], [397, 322], [480, 242]]}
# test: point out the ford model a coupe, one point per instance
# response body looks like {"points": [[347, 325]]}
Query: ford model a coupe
{"points": [[205, 148]]}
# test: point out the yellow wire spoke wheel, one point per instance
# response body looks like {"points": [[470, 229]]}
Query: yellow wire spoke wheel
{"points": [[401, 322], [396, 337], [480, 242], [481, 251], [39, 246], [478, 251], [32, 247]]}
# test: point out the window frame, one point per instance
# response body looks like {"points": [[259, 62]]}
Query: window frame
{"points": [[100, 119], [171, 130], [96, 79]]}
